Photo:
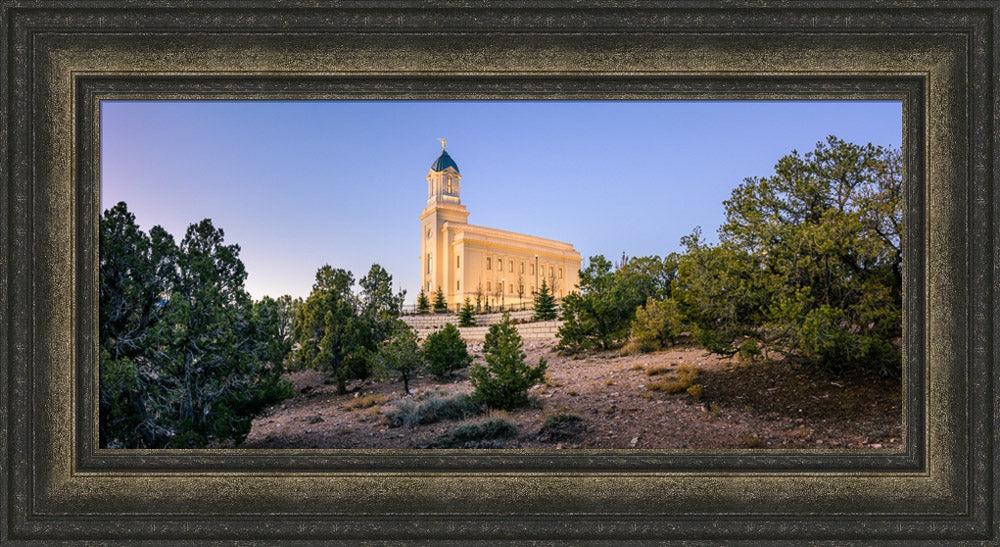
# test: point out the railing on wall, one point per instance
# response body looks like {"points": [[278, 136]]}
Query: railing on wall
{"points": [[484, 307]]}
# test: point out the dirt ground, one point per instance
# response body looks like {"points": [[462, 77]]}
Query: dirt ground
{"points": [[760, 405]]}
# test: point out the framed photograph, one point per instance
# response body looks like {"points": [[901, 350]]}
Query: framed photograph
{"points": [[67, 67]]}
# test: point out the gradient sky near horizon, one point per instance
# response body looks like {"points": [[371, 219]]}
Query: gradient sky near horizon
{"points": [[299, 184]]}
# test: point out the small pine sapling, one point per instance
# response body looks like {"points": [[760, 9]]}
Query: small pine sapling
{"points": [[440, 306], [505, 380], [465, 318], [545, 304]]}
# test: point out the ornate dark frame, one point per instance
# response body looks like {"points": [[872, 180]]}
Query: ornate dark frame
{"points": [[58, 60]]}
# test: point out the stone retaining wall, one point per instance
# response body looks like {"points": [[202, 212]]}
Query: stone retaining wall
{"points": [[541, 330], [433, 320]]}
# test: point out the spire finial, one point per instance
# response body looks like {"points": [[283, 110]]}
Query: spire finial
{"points": [[442, 144]]}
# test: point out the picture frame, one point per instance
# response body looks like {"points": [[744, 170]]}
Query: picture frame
{"points": [[60, 60]]}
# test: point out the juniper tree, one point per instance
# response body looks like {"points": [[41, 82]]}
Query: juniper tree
{"points": [[332, 336], [809, 261], [446, 352], [399, 355]]}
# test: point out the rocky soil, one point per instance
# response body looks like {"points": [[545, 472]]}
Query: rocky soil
{"points": [[768, 405]]}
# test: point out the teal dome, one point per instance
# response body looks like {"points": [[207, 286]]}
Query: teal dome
{"points": [[443, 162]]}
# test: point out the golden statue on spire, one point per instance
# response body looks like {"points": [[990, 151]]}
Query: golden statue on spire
{"points": [[442, 144]]}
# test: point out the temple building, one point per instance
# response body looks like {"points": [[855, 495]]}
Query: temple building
{"points": [[485, 265]]}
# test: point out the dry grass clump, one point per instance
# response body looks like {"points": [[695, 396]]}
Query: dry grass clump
{"points": [[638, 366], [364, 402], [687, 373], [656, 370]]}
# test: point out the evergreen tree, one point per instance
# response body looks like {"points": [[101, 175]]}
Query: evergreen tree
{"points": [[809, 262], [465, 317], [377, 303], [423, 304], [504, 382], [399, 355], [446, 352], [186, 360], [332, 336], [545, 304], [439, 304]]}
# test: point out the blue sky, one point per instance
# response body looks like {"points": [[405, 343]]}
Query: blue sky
{"points": [[299, 184]]}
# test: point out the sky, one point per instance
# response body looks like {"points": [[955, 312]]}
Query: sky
{"points": [[299, 184]]}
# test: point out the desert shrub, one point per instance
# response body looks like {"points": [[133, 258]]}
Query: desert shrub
{"points": [[695, 391], [482, 434], [561, 427], [364, 402], [600, 314], [411, 413], [685, 378], [446, 352], [656, 325], [504, 382]]}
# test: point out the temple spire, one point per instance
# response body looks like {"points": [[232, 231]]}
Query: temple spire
{"points": [[442, 144]]}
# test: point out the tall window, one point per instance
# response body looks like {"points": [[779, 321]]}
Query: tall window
{"points": [[500, 264], [511, 291], [522, 267], [489, 263], [450, 191], [458, 263], [458, 285], [428, 262], [488, 287], [511, 267], [550, 271], [560, 273], [531, 269]]}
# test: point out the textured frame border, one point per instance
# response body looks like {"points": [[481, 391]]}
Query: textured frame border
{"points": [[59, 60]]}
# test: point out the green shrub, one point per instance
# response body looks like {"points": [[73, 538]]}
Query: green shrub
{"points": [[439, 304], [483, 434], [561, 427], [465, 317], [411, 413], [423, 304], [399, 356], [545, 304], [657, 324], [446, 352], [504, 382]]}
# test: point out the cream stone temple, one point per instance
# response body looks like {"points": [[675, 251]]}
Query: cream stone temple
{"points": [[484, 264]]}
